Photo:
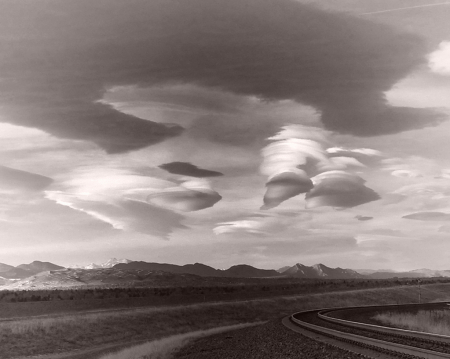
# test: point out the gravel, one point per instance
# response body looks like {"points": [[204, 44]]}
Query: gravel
{"points": [[271, 340]]}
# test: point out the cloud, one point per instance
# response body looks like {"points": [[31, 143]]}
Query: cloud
{"points": [[340, 151], [118, 197], [247, 226], [188, 169], [339, 189], [428, 216], [296, 152], [341, 163], [444, 229], [189, 196], [16, 180], [432, 195], [363, 156], [406, 173], [439, 60], [185, 199], [290, 154], [363, 218], [413, 167], [385, 232], [284, 186], [124, 214], [254, 225], [294, 147], [58, 62]]}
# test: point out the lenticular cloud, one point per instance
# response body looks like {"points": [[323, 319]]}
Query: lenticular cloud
{"points": [[286, 162], [188, 197], [297, 162], [339, 189], [285, 185]]}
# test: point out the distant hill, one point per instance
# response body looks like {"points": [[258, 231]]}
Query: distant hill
{"points": [[320, 271], [26, 270], [5, 267], [371, 271], [239, 271], [246, 271], [282, 269], [417, 273], [38, 266], [431, 272], [387, 275], [196, 269], [100, 277]]}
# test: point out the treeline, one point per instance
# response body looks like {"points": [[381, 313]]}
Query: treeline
{"points": [[270, 288]]}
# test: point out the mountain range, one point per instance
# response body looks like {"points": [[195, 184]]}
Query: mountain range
{"points": [[237, 271], [124, 271]]}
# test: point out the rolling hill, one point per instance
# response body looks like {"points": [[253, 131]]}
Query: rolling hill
{"points": [[320, 271], [26, 270]]}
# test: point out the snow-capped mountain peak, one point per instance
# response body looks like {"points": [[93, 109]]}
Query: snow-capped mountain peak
{"points": [[108, 264]]}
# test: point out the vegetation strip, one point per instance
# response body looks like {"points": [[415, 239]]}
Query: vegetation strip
{"points": [[436, 326], [403, 342], [435, 321]]}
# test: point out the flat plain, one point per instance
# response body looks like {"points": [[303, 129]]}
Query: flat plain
{"points": [[70, 326]]}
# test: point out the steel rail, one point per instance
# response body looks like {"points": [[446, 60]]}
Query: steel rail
{"points": [[363, 341], [381, 329]]}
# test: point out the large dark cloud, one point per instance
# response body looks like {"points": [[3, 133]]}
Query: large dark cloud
{"points": [[17, 180], [188, 169], [59, 56]]}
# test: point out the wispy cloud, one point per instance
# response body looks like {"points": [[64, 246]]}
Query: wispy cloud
{"points": [[428, 216], [124, 214]]}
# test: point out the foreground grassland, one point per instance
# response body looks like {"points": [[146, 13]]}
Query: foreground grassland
{"points": [[430, 321], [75, 331], [164, 348]]}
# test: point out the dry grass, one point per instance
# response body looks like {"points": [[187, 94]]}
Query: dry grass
{"points": [[164, 348], [88, 330], [429, 321]]}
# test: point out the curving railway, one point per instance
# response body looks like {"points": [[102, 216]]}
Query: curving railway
{"points": [[343, 327]]}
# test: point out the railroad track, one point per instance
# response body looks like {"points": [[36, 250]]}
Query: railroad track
{"points": [[390, 342]]}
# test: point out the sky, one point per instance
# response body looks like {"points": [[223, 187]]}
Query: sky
{"points": [[265, 132]]}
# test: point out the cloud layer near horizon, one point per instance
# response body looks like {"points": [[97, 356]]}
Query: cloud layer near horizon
{"points": [[59, 57]]}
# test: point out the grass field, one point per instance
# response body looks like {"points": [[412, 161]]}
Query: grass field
{"points": [[87, 330], [163, 348], [430, 321]]}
